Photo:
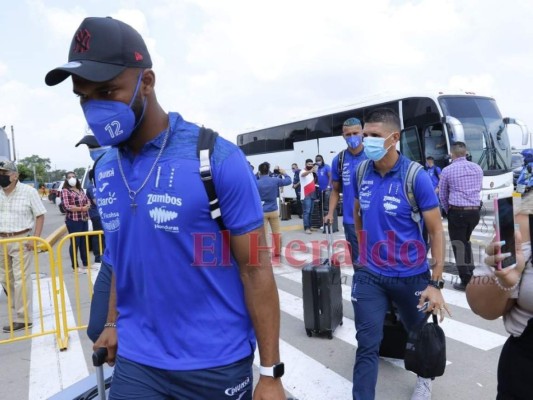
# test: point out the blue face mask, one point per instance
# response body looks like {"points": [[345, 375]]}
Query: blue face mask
{"points": [[374, 147], [112, 122], [96, 153], [353, 141]]}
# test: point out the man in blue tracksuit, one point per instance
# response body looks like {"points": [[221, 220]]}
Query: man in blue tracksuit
{"points": [[392, 260]]}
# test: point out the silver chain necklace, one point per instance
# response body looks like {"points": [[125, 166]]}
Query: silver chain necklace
{"points": [[133, 193]]}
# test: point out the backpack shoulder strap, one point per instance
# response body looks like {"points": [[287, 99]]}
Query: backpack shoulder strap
{"points": [[408, 187], [360, 172], [340, 163], [204, 150], [91, 172]]}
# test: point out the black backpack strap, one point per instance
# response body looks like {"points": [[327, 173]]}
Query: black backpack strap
{"points": [[340, 163], [91, 172], [204, 149]]}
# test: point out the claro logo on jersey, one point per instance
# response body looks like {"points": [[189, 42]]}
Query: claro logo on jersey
{"points": [[164, 199], [106, 201], [106, 174]]}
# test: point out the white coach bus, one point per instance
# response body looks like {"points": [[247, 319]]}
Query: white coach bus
{"points": [[431, 122]]}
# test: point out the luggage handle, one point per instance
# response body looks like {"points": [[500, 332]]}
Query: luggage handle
{"points": [[329, 238], [99, 357]]}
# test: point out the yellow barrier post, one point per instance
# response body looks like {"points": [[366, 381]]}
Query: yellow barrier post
{"points": [[5, 243], [72, 239]]}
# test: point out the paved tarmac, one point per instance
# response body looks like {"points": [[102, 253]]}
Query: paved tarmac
{"points": [[316, 368]]}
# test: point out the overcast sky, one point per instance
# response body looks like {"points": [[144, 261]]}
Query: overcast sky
{"points": [[234, 65]]}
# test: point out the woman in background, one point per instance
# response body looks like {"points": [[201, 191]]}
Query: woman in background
{"points": [[77, 207], [508, 292]]}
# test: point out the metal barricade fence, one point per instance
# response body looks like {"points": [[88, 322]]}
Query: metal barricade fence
{"points": [[76, 240], [17, 256], [43, 300]]}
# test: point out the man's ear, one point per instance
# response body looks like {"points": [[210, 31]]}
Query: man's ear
{"points": [[148, 82]]}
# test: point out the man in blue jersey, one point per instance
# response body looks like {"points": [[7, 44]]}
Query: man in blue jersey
{"points": [[323, 174], [342, 182], [433, 172], [392, 263], [188, 300]]}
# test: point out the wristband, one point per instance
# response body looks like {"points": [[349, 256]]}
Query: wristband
{"points": [[506, 289], [110, 325]]}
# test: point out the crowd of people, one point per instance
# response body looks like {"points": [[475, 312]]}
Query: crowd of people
{"points": [[204, 342]]}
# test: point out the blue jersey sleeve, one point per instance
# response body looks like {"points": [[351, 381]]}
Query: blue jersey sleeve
{"points": [[335, 170], [238, 194], [425, 195], [284, 181]]}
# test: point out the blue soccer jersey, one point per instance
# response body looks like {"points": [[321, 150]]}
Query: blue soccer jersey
{"points": [[180, 297], [391, 242], [348, 170]]}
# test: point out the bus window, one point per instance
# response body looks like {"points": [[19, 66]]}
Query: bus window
{"points": [[435, 142], [410, 145], [274, 139], [338, 120]]}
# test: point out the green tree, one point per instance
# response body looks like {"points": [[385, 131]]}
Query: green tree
{"points": [[41, 166], [80, 172]]}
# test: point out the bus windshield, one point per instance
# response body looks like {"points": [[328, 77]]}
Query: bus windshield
{"points": [[486, 135]]}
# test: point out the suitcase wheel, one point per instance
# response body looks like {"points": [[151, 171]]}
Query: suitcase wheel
{"points": [[309, 332], [340, 323], [330, 335]]}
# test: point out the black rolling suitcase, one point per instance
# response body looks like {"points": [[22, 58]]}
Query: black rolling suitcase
{"points": [[85, 389], [394, 335], [322, 295], [284, 211], [316, 215]]}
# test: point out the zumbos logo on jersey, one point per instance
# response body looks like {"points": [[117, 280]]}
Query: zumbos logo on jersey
{"points": [[164, 198]]}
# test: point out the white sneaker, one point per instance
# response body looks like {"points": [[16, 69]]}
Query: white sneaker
{"points": [[82, 270], [422, 389], [308, 231], [96, 266]]}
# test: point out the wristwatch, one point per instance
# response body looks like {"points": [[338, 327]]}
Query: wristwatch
{"points": [[275, 371], [436, 284]]}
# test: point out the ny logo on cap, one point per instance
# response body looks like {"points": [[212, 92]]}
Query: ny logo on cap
{"points": [[82, 38]]}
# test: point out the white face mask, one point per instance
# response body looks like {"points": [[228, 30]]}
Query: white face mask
{"points": [[72, 181]]}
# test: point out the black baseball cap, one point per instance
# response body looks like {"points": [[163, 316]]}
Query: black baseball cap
{"points": [[90, 141], [101, 49]]}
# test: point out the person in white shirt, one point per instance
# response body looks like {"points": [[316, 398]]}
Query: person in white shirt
{"points": [[21, 212]]}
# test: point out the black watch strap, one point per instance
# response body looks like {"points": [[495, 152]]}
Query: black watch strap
{"points": [[436, 284]]}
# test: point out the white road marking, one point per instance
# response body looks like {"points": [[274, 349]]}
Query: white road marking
{"points": [[52, 370], [305, 377], [465, 333]]}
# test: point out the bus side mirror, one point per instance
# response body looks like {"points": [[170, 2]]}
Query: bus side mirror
{"points": [[523, 128], [457, 130]]}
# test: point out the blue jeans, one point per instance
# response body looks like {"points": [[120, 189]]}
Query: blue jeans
{"points": [[136, 381], [351, 238], [81, 245], [371, 297], [307, 206], [100, 302]]}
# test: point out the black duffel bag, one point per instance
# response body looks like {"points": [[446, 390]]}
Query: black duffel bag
{"points": [[425, 351]]}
